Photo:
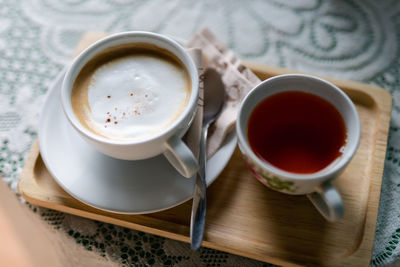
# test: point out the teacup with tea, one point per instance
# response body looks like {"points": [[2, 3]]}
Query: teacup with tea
{"points": [[297, 133]]}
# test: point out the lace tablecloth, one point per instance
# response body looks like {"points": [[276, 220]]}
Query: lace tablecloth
{"points": [[348, 39]]}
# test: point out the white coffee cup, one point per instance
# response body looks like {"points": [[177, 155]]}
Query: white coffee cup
{"points": [[168, 141], [317, 185]]}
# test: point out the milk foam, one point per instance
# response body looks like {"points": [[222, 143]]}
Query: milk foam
{"points": [[136, 96]]}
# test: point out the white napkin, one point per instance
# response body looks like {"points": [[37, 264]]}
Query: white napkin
{"points": [[236, 78]]}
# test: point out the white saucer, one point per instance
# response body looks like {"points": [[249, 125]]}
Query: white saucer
{"points": [[132, 187]]}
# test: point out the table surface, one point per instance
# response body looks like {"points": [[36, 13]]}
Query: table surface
{"points": [[346, 39]]}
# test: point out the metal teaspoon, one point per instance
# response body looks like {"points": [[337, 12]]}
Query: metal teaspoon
{"points": [[214, 99]]}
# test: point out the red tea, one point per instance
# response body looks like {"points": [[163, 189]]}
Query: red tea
{"points": [[296, 131]]}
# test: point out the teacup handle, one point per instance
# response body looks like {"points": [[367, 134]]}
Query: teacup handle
{"points": [[181, 157], [328, 201]]}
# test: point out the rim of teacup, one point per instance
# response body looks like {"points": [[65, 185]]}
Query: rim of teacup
{"points": [[330, 170], [123, 38]]}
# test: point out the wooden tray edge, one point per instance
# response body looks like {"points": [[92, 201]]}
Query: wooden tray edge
{"points": [[376, 91]]}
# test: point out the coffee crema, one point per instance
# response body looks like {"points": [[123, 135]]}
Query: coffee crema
{"points": [[297, 132], [131, 92]]}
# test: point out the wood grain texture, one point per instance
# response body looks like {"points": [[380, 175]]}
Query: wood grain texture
{"points": [[246, 218]]}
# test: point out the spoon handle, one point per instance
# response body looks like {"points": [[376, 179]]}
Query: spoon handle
{"points": [[198, 217]]}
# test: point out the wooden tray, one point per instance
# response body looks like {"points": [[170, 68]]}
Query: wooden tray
{"points": [[246, 218]]}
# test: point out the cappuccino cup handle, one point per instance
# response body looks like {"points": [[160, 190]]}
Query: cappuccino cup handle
{"points": [[328, 201], [181, 157]]}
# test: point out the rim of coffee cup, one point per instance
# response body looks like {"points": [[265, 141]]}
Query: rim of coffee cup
{"points": [[327, 172], [124, 38]]}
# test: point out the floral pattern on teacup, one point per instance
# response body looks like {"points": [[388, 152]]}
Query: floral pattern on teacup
{"points": [[268, 179]]}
